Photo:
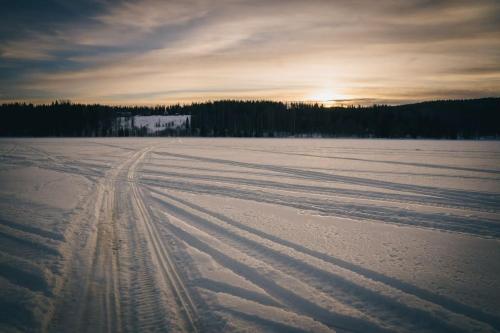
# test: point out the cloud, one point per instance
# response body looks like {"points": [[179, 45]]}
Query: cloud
{"points": [[150, 14], [152, 50]]}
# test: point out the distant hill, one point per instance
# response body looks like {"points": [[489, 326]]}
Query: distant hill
{"points": [[450, 119]]}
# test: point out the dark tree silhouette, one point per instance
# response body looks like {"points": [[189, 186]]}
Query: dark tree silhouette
{"points": [[452, 119]]}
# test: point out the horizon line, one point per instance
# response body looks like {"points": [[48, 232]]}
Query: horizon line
{"points": [[338, 103]]}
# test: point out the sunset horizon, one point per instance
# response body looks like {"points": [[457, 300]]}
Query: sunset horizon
{"points": [[166, 52]]}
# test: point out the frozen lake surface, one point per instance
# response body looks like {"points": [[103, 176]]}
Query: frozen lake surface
{"points": [[273, 235]]}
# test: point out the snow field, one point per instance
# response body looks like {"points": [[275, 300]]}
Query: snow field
{"points": [[293, 235]]}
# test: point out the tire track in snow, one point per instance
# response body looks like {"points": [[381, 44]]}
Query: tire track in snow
{"points": [[478, 200], [290, 298], [97, 305], [332, 191], [366, 300], [93, 282], [411, 164], [161, 254], [360, 212], [443, 301], [119, 287]]}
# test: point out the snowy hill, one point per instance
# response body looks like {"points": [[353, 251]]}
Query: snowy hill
{"points": [[154, 124]]}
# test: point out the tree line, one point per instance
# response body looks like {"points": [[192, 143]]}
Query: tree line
{"points": [[450, 119]]}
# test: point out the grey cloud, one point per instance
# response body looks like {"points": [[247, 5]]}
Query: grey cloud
{"points": [[356, 41]]}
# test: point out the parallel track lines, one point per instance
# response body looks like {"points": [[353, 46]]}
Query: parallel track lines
{"points": [[318, 278], [161, 252]]}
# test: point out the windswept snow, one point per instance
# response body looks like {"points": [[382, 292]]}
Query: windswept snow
{"points": [[223, 235]]}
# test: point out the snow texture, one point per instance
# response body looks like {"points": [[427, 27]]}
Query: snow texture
{"points": [[272, 235]]}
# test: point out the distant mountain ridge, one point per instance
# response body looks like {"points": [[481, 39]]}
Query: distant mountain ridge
{"points": [[449, 119]]}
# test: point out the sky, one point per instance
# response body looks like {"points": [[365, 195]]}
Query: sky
{"points": [[334, 52]]}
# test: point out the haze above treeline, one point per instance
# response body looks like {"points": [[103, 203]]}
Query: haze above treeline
{"points": [[449, 119]]}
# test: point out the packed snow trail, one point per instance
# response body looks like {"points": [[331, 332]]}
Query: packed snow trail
{"points": [[136, 297], [221, 235]]}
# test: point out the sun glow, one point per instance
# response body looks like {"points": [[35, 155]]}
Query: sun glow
{"points": [[327, 97], [324, 96]]}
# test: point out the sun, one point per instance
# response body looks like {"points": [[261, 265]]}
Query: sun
{"points": [[323, 96], [326, 97]]}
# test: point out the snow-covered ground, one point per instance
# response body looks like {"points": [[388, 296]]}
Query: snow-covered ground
{"points": [[154, 124], [222, 235]]}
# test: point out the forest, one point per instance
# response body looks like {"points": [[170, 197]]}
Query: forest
{"points": [[447, 119]]}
